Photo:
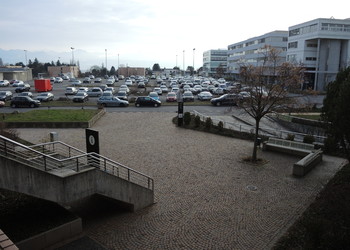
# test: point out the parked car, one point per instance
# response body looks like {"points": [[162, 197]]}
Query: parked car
{"points": [[124, 88], [95, 92], [226, 99], [122, 95], [107, 93], [171, 97], [98, 80], [110, 81], [2, 104], [4, 83], [111, 101], [45, 97], [87, 80], [75, 82], [158, 90], [58, 80], [83, 89], [65, 77], [187, 96], [111, 89], [164, 88], [205, 96], [5, 95], [24, 101], [52, 79], [103, 86], [30, 94], [71, 91], [22, 87], [141, 85], [91, 76], [128, 82], [81, 96], [15, 83], [146, 101], [154, 95]]}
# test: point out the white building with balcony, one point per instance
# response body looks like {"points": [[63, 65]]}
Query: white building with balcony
{"points": [[323, 47]]}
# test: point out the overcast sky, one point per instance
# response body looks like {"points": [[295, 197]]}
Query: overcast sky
{"points": [[144, 32]]}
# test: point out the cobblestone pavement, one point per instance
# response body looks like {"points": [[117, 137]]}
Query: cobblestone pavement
{"points": [[206, 197]]}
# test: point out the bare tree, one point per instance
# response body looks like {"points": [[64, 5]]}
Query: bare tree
{"points": [[267, 84]]}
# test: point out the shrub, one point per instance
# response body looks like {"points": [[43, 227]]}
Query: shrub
{"points": [[187, 118], [309, 139], [197, 121], [221, 126], [208, 123], [330, 145], [290, 137]]}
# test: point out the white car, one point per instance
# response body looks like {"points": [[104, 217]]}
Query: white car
{"points": [[71, 91], [4, 83], [205, 96], [58, 80], [128, 82], [158, 90]]}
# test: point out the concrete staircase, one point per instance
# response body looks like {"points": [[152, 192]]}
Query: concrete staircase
{"points": [[61, 173]]}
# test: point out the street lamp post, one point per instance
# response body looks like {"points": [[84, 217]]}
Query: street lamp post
{"points": [[72, 55], [118, 64], [193, 60], [183, 63], [106, 62], [26, 66]]}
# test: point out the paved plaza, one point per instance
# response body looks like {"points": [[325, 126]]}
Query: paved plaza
{"points": [[206, 197]]}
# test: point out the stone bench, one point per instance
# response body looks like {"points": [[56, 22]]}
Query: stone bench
{"points": [[302, 167], [311, 157], [289, 147]]}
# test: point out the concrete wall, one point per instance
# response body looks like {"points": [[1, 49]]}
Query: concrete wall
{"points": [[69, 186]]}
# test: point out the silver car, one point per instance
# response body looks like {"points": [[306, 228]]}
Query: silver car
{"points": [[111, 101]]}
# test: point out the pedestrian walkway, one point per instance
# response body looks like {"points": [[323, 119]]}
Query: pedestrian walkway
{"points": [[206, 196]]}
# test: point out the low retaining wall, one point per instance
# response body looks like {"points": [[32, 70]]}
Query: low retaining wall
{"points": [[87, 124], [54, 236]]}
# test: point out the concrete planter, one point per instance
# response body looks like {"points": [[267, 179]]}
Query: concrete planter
{"points": [[87, 124], [54, 236]]}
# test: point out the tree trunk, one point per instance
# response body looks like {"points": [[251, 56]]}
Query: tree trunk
{"points": [[255, 149]]}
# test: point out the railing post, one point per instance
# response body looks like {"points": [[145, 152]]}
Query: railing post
{"points": [[45, 163], [128, 174], [77, 164], [105, 165], [5, 148]]}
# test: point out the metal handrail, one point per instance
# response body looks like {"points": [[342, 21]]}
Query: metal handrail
{"points": [[52, 158], [251, 129]]}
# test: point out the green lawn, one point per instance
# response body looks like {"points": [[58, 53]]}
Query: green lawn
{"points": [[51, 115], [309, 116]]}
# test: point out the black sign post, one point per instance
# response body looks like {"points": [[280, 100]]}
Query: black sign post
{"points": [[180, 113], [92, 146], [92, 142]]}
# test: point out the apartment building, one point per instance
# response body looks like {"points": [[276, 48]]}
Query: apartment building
{"points": [[250, 51], [212, 60], [323, 47]]}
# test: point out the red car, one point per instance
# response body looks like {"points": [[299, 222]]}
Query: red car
{"points": [[171, 97]]}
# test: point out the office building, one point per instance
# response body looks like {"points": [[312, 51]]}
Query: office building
{"points": [[251, 51], [323, 47], [214, 59]]}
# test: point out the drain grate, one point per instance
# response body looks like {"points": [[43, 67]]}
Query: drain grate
{"points": [[252, 188]]}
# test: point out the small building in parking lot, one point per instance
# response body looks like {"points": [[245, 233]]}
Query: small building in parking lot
{"points": [[128, 71], [71, 71], [16, 72]]}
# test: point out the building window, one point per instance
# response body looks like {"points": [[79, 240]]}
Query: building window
{"points": [[310, 58], [294, 32], [293, 45], [311, 45]]}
